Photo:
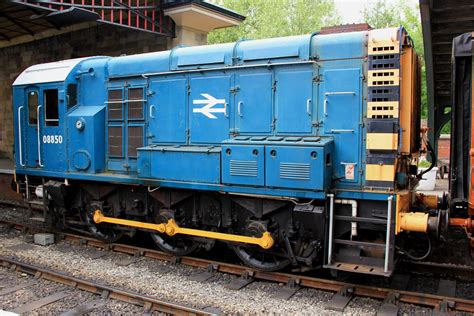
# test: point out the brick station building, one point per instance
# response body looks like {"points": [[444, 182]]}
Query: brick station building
{"points": [[33, 32]]}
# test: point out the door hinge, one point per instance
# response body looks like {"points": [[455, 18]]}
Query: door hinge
{"points": [[235, 89], [318, 78], [318, 124], [274, 87], [188, 133], [273, 125], [188, 88]]}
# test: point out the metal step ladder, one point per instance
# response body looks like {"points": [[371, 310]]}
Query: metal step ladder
{"points": [[381, 267], [33, 202]]}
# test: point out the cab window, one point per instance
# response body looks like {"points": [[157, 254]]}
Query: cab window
{"points": [[51, 107], [71, 95], [32, 107]]}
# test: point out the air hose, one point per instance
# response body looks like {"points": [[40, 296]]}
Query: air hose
{"points": [[414, 258]]}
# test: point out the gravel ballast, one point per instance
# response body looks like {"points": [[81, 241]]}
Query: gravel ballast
{"points": [[172, 283]]}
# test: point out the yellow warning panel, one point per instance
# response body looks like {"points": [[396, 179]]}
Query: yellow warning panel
{"points": [[382, 141], [380, 172], [382, 110], [384, 41], [383, 47], [386, 77]]}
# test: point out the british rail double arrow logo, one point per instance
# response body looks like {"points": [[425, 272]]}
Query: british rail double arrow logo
{"points": [[209, 109]]}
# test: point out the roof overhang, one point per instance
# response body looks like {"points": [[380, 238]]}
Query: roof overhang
{"points": [[442, 21], [202, 16]]}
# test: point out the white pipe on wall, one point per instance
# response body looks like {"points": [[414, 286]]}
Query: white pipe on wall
{"points": [[353, 204]]}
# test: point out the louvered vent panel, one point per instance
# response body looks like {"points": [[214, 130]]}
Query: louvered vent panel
{"points": [[244, 168], [295, 171]]}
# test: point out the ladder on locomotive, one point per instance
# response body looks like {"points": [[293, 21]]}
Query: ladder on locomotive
{"points": [[34, 203], [350, 258]]}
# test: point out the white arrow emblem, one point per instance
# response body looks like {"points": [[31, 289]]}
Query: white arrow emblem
{"points": [[209, 102]]}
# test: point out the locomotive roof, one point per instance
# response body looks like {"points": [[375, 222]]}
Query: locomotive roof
{"points": [[244, 52]]}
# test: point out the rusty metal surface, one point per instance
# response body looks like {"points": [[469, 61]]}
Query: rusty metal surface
{"points": [[345, 28]]}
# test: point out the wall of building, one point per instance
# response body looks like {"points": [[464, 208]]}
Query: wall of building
{"points": [[98, 40]]}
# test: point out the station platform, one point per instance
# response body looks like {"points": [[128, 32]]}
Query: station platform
{"points": [[7, 194], [6, 166]]}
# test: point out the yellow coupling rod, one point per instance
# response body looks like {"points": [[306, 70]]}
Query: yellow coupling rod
{"points": [[100, 218], [171, 228]]}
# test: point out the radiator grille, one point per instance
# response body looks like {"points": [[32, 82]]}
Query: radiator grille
{"points": [[295, 171], [135, 139], [115, 141], [244, 168], [135, 105]]}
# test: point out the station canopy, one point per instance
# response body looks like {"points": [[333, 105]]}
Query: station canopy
{"points": [[442, 21], [26, 20]]}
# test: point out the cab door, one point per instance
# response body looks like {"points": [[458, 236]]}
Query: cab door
{"points": [[50, 130], [29, 122]]}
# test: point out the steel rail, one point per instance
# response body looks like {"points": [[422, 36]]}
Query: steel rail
{"points": [[410, 297], [148, 302]]}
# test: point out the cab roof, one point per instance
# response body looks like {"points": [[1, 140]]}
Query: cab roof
{"points": [[50, 72]]}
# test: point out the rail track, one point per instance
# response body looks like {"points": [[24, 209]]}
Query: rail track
{"points": [[149, 303], [344, 292]]}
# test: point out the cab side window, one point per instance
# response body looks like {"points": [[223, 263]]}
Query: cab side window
{"points": [[32, 107], [51, 107], [71, 95]]}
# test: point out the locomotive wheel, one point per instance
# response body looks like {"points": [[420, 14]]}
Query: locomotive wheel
{"points": [[254, 256], [103, 231], [264, 260], [177, 245]]}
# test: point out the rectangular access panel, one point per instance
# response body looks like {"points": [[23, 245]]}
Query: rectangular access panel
{"points": [[243, 164], [341, 103], [167, 111], [210, 109], [296, 167], [254, 103], [193, 164], [294, 102]]}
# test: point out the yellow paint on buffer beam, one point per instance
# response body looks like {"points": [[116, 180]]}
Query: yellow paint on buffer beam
{"points": [[171, 229]]}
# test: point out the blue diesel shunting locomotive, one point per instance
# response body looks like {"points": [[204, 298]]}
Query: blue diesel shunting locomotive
{"points": [[295, 151]]}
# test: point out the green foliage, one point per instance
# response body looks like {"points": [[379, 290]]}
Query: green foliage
{"points": [[424, 164], [265, 19], [446, 129], [382, 13]]}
